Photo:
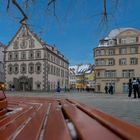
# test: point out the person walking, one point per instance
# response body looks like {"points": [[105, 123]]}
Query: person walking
{"points": [[130, 88], [135, 88], [111, 89], [13, 87], [106, 89]]}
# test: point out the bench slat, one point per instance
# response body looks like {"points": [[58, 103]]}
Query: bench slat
{"points": [[9, 128], [122, 128], [87, 127], [33, 128], [56, 128]]}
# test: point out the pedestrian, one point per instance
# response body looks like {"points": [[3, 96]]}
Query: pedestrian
{"points": [[138, 85], [106, 89], [111, 89], [130, 88], [13, 87], [135, 87]]}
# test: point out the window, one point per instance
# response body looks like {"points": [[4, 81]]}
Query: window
{"points": [[110, 73], [51, 57], [51, 72], [38, 85], [111, 52], [48, 56], [122, 61], [102, 52], [23, 68], [123, 51], [100, 62], [129, 40], [16, 56], [133, 50], [31, 68], [97, 53], [58, 71], [128, 73], [111, 62], [31, 54], [62, 73], [10, 56], [23, 55], [48, 68], [38, 68], [16, 68], [10, 69], [38, 54], [54, 70], [133, 61]]}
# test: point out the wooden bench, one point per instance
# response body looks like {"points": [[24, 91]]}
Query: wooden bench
{"points": [[33, 118], [3, 103]]}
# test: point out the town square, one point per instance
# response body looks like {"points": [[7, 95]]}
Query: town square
{"points": [[69, 70]]}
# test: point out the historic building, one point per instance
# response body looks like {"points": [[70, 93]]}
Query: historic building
{"points": [[72, 77], [82, 76], [117, 59], [2, 48], [32, 64]]}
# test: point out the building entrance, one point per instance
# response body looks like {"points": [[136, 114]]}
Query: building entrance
{"points": [[23, 83]]}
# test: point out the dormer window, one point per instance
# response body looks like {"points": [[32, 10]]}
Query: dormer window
{"points": [[128, 40]]}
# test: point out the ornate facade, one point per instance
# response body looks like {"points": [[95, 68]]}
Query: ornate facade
{"points": [[31, 64]]}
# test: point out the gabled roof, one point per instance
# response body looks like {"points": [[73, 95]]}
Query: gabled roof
{"points": [[44, 44]]}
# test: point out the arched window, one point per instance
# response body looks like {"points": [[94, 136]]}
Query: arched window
{"points": [[16, 68], [23, 68]]}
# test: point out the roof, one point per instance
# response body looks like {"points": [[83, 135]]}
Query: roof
{"points": [[116, 32], [80, 69], [44, 44]]}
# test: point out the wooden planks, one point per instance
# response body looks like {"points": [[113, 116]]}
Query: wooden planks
{"points": [[33, 118], [87, 127], [56, 128], [117, 126], [3, 103]]}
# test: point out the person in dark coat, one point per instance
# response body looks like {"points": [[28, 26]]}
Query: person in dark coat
{"points": [[130, 87], [106, 89], [136, 87], [111, 89]]}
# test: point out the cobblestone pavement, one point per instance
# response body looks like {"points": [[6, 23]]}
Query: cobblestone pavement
{"points": [[118, 105]]}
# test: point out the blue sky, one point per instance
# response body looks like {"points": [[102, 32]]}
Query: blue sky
{"points": [[77, 30]]}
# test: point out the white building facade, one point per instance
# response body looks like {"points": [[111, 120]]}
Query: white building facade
{"points": [[31, 64], [117, 59]]}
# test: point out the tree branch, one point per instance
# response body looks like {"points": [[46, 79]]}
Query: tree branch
{"points": [[20, 9]]}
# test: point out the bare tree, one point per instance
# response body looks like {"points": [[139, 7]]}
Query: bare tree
{"points": [[51, 4]]}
